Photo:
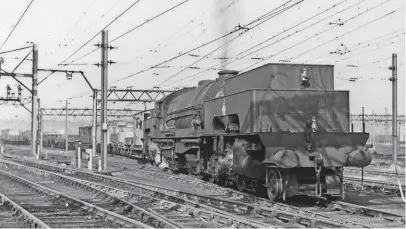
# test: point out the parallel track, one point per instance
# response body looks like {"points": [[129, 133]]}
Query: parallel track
{"points": [[257, 209], [58, 210], [371, 172], [158, 213], [13, 215]]}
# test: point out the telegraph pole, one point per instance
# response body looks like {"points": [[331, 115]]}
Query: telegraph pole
{"points": [[94, 126], [34, 105], [104, 72], [66, 128], [394, 80]]}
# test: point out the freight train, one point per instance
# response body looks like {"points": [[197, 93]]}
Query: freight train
{"points": [[59, 141], [123, 137], [16, 137], [281, 128]]}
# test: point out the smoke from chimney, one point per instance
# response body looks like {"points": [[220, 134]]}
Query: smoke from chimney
{"points": [[225, 20]]}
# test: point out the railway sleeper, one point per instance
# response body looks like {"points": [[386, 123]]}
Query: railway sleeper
{"points": [[72, 201], [121, 182]]}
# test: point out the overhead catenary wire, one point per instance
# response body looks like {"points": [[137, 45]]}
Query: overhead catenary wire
{"points": [[101, 17], [298, 24], [205, 44], [14, 50], [368, 51], [215, 50], [213, 68], [236, 57], [22, 60], [281, 11], [360, 44], [292, 46], [115, 19], [131, 30], [147, 21], [357, 28], [324, 31], [18, 22], [80, 19], [159, 46]]}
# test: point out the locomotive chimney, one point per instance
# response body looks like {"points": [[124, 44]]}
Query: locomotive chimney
{"points": [[226, 74], [222, 78]]}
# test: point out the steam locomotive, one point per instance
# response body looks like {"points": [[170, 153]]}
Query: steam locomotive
{"points": [[280, 128]]}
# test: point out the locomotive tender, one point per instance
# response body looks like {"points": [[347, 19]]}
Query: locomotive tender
{"points": [[279, 126]]}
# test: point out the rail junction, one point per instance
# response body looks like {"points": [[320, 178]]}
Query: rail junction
{"points": [[202, 115]]}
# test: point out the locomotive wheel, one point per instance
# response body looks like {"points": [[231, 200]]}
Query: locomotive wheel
{"points": [[275, 186]]}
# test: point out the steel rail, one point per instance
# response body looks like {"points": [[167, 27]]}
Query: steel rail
{"points": [[117, 195], [27, 216], [357, 171], [384, 187], [272, 210], [106, 214], [338, 205]]}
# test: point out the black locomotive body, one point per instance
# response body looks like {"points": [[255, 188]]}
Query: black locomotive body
{"points": [[279, 126]]}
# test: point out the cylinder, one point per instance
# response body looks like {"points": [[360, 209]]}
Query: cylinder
{"points": [[252, 167]]}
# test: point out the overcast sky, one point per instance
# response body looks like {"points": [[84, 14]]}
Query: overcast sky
{"points": [[369, 36]]}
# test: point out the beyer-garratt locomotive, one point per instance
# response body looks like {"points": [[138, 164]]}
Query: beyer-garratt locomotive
{"points": [[279, 126]]}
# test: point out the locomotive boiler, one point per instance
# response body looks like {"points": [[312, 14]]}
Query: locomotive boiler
{"points": [[281, 127]]}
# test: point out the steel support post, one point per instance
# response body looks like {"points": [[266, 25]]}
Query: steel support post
{"points": [[94, 126], [34, 105], [394, 80], [40, 126], [66, 128], [104, 59]]}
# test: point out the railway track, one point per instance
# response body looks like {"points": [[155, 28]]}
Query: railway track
{"points": [[371, 172], [183, 212], [381, 187], [388, 158], [158, 213], [13, 215], [338, 215], [52, 209]]}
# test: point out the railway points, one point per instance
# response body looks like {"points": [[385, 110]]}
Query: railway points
{"points": [[241, 117], [363, 215], [56, 209]]}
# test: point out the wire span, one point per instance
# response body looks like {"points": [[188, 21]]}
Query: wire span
{"points": [[18, 22]]}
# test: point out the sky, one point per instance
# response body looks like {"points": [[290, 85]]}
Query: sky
{"points": [[371, 31]]}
